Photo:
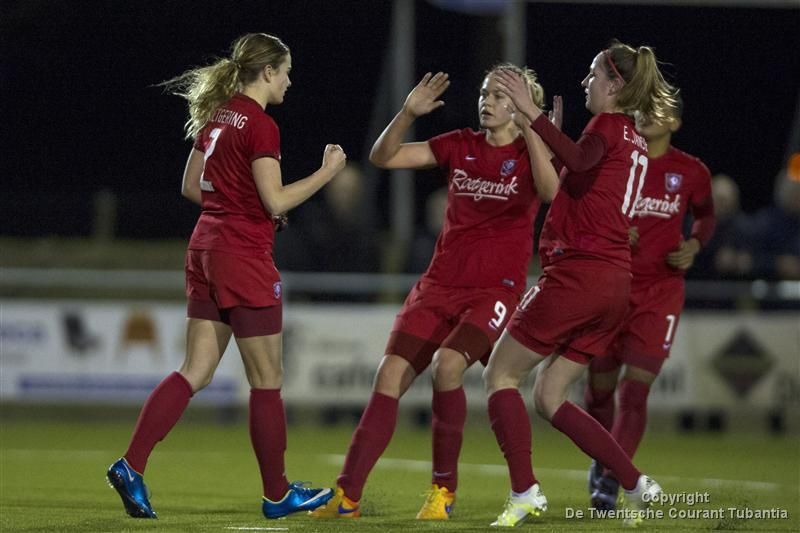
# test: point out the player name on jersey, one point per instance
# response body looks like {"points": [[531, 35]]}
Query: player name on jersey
{"points": [[632, 137], [227, 116]]}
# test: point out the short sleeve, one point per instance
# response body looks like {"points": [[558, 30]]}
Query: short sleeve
{"points": [[264, 139], [444, 147]]}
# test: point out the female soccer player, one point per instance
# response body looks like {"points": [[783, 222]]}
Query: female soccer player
{"points": [[497, 178], [232, 285], [676, 184], [579, 302]]}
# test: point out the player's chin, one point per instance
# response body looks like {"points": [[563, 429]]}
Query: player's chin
{"points": [[489, 122]]}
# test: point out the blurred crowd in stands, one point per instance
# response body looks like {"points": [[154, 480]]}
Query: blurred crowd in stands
{"points": [[762, 245]]}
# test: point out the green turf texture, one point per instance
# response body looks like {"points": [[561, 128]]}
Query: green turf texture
{"points": [[204, 477]]}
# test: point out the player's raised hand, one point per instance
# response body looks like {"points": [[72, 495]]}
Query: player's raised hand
{"points": [[556, 115], [512, 85], [334, 157], [424, 98]]}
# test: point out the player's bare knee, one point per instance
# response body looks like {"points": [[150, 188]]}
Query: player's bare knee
{"points": [[265, 377], [447, 369], [495, 380], [395, 375], [639, 374]]}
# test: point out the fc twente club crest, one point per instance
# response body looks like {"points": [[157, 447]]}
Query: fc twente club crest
{"points": [[507, 167], [672, 181]]}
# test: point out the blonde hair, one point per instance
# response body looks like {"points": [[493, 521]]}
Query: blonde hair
{"points": [[529, 75], [644, 88], [207, 88]]}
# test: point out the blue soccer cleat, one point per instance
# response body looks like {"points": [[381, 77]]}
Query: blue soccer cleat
{"points": [[595, 473], [297, 498], [604, 496], [131, 488]]}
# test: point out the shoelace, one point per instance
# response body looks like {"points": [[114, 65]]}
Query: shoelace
{"points": [[300, 484], [432, 497]]}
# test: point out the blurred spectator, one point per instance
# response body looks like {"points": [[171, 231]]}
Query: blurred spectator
{"points": [[421, 252], [728, 254], [331, 232], [777, 233]]}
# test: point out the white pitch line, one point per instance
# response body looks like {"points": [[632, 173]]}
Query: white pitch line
{"points": [[424, 466], [258, 528]]}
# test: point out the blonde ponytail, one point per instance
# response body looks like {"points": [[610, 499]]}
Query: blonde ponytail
{"points": [[207, 88], [644, 90]]}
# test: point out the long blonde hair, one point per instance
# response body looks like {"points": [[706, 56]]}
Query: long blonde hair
{"points": [[644, 90], [529, 75], [207, 88]]}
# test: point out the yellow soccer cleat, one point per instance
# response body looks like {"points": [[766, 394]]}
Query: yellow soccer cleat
{"points": [[438, 504], [340, 506]]}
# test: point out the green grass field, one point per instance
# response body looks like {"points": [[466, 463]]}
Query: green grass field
{"points": [[203, 477]]}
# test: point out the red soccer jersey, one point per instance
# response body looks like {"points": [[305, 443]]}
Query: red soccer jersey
{"points": [[591, 213], [233, 219], [675, 182], [487, 238]]}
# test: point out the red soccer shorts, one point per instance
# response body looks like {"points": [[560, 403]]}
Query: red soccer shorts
{"points": [[575, 309], [226, 283], [648, 332], [466, 319]]}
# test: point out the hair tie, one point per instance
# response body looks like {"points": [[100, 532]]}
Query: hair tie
{"points": [[236, 64], [613, 66]]}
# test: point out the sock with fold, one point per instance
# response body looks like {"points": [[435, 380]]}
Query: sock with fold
{"points": [[449, 416], [596, 442], [159, 414], [370, 439], [512, 429]]}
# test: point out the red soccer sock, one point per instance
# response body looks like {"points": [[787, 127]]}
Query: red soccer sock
{"points": [[449, 415], [600, 405], [268, 434], [512, 428], [370, 439], [632, 420], [160, 412], [596, 442]]}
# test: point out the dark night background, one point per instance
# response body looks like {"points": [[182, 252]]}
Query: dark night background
{"points": [[81, 114]]}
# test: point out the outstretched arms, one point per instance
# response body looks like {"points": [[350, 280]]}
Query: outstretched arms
{"points": [[389, 150]]}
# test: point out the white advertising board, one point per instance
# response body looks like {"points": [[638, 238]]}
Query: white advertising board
{"points": [[117, 352]]}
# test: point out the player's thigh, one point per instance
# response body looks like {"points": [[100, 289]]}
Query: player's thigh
{"points": [[553, 382], [395, 375], [509, 364], [206, 341], [261, 357]]}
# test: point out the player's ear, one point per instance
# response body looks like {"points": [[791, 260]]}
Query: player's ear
{"points": [[675, 125], [268, 72]]}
